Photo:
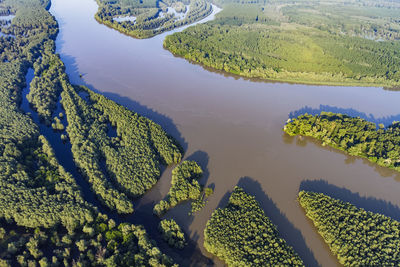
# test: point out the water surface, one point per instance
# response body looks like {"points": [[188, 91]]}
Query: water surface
{"points": [[232, 126]]}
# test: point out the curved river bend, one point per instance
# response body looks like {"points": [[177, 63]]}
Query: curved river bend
{"points": [[232, 126]]}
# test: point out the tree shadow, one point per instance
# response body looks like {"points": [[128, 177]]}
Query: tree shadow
{"points": [[191, 255], [202, 158], [163, 120], [388, 120], [367, 203], [303, 141], [286, 229]]}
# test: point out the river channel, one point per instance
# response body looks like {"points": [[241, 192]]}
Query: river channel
{"points": [[232, 127]]}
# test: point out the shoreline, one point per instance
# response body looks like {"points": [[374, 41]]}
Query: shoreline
{"points": [[213, 11], [285, 81]]}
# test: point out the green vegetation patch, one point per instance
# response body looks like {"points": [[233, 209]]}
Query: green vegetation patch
{"points": [[45, 87], [242, 235], [117, 167], [356, 136], [172, 233], [99, 243], [357, 237], [184, 186]]}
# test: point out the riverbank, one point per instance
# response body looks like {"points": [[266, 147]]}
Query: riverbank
{"points": [[255, 78], [251, 41]]}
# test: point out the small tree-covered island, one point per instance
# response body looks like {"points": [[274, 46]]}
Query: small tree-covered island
{"points": [[242, 235], [355, 136]]}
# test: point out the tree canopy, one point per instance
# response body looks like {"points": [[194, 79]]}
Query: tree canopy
{"points": [[242, 235]]}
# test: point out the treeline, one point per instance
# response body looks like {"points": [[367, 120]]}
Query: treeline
{"points": [[184, 186], [172, 233], [99, 243], [357, 237], [264, 41], [149, 21], [241, 234], [356, 136]]}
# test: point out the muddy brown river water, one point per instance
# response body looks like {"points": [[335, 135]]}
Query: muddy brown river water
{"points": [[233, 128]]}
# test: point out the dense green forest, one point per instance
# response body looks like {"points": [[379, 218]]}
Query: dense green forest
{"points": [[35, 191], [357, 237], [356, 136], [242, 235], [99, 243], [322, 42], [147, 18], [131, 161], [172, 233], [184, 186]]}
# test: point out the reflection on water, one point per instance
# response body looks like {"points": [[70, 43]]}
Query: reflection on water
{"points": [[286, 229], [236, 123]]}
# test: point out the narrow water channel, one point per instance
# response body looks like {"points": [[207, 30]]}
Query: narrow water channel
{"points": [[233, 127]]}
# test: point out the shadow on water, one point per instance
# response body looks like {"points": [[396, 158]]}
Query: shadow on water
{"points": [[202, 159], [303, 141], [191, 254], [367, 203], [285, 228], [62, 150], [166, 122], [348, 111]]}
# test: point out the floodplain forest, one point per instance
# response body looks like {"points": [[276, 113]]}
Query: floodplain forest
{"points": [[44, 218], [314, 42], [172, 233]]}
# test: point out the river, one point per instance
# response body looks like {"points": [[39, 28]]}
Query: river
{"points": [[232, 127]]}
